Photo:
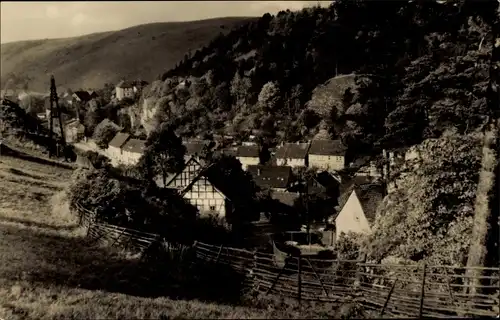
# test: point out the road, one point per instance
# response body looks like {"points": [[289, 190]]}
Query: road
{"points": [[91, 146]]}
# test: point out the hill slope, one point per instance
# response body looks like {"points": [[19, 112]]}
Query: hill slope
{"points": [[92, 60], [376, 81]]}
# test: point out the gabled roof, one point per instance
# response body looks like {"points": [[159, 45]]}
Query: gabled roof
{"points": [[327, 148], [125, 84], [195, 148], [370, 195], [202, 174], [271, 176], [131, 84], [82, 95], [325, 181], [248, 151], [191, 160], [134, 146], [74, 123], [119, 140], [226, 152], [286, 198], [293, 151]]}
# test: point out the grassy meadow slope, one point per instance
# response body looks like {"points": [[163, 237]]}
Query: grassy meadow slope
{"points": [[142, 51], [49, 271]]}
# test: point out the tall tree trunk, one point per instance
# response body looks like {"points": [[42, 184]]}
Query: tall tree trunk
{"points": [[478, 249]]}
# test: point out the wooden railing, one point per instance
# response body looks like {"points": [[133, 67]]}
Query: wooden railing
{"points": [[391, 289]]}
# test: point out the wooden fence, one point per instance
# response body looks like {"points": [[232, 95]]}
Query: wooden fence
{"points": [[392, 289]]}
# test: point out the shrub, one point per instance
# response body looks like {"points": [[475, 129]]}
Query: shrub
{"points": [[105, 132]]}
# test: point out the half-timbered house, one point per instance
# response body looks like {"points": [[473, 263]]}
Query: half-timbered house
{"points": [[183, 178], [195, 186]]}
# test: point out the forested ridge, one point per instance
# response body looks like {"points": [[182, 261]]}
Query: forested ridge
{"points": [[420, 67]]}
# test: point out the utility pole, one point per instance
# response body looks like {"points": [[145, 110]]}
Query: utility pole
{"points": [[54, 102], [51, 116]]}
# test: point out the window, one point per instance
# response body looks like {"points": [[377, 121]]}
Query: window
{"points": [[212, 208]]}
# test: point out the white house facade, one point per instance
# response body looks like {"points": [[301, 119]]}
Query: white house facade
{"points": [[327, 155], [352, 218]]}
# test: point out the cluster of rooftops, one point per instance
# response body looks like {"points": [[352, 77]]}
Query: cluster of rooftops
{"points": [[247, 150]]}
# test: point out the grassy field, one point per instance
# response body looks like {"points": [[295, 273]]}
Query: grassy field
{"points": [[91, 61], [49, 271]]}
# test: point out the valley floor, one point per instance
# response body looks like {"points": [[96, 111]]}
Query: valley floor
{"points": [[48, 271]]}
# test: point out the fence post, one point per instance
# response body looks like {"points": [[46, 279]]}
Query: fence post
{"points": [[388, 297], [299, 287], [218, 254], [422, 293]]}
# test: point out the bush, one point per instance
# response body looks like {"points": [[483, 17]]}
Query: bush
{"points": [[105, 132]]}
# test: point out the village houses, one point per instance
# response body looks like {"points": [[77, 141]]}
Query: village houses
{"points": [[132, 151], [74, 131], [248, 155], [129, 89], [114, 151], [327, 155], [292, 154]]}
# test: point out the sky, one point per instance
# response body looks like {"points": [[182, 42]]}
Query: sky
{"points": [[47, 20]]}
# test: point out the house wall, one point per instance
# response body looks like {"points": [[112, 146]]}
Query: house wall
{"points": [[327, 162], [114, 153], [279, 189], [248, 161], [128, 92], [73, 134], [291, 162], [119, 93], [183, 179], [130, 158], [206, 198], [352, 218], [369, 171]]}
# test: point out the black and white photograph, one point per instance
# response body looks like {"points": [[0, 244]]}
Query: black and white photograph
{"points": [[250, 159]]}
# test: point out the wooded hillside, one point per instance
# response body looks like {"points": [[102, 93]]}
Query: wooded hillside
{"points": [[420, 67]]}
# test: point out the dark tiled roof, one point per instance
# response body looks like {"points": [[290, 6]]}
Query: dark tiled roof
{"points": [[271, 176], [194, 148], [74, 123], [286, 198], [119, 140], [327, 147], [370, 196], [248, 151], [360, 162], [348, 185], [203, 173], [326, 179], [125, 84], [135, 146], [83, 95], [292, 151], [227, 152], [131, 84]]}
